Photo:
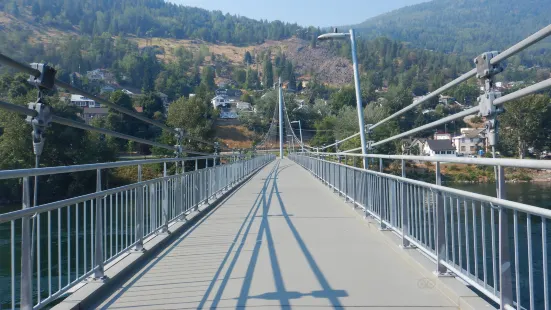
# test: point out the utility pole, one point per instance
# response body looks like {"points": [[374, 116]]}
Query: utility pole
{"points": [[280, 120]]}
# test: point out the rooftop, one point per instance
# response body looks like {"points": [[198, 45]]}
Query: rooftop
{"points": [[96, 110], [441, 145]]}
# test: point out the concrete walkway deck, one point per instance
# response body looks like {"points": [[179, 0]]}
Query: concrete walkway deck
{"points": [[283, 240]]}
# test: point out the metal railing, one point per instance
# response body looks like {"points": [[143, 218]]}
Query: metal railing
{"points": [[53, 247], [497, 246]]}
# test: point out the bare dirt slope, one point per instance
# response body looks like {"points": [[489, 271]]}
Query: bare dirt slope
{"points": [[319, 61], [328, 68]]}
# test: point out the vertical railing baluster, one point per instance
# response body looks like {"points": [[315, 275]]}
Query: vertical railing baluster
{"points": [[139, 212], [530, 259], [98, 260], [505, 276], [404, 211], [440, 226], [517, 270], [26, 299]]}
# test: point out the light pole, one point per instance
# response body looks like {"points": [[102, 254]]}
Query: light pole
{"points": [[280, 120], [300, 131], [343, 36]]}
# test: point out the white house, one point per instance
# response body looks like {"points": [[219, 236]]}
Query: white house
{"points": [[469, 142], [84, 102], [220, 101], [442, 136], [439, 148]]}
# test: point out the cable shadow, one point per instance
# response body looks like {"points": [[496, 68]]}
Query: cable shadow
{"points": [[254, 207], [326, 292], [169, 249], [282, 295]]}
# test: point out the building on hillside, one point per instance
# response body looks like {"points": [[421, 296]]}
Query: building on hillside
{"points": [[100, 75], [95, 75], [192, 95], [81, 101], [129, 93], [138, 109], [439, 148], [470, 141], [442, 136], [413, 146], [92, 113], [107, 89], [221, 92], [220, 102]]}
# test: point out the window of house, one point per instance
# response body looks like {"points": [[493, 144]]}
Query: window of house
{"points": [[473, 149], [463, 149]]}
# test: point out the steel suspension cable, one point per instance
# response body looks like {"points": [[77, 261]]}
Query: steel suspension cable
{"points": [[36, 73], [513, 50]]}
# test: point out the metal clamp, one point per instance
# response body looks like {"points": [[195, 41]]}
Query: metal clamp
{"points": [[486, 104], [369, 145], [39, 123], [46, 79], [484, 67]]}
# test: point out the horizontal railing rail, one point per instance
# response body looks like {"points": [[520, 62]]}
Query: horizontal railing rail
{"points": [[66, 242], [491, 243]]}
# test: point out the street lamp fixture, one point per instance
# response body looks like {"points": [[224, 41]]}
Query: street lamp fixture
{"points": [[359, 106]]}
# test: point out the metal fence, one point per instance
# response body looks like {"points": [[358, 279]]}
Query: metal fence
{"points": [[55, 246], [497, 246]]}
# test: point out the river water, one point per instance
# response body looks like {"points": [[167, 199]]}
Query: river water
{"points": [[537, 194]]}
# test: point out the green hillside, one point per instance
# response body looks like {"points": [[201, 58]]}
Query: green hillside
{"points": [[469, 27]]}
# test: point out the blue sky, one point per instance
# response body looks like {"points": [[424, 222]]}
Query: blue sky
{"points": [[304, 12]]}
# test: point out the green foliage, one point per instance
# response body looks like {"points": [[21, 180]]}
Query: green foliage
{"points": [[268, 74], [153, 18], [63, 145], [195, 117], [324, 134], [468, 27], [526, 124]]}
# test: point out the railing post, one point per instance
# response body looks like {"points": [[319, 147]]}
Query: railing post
{"points": [[354, 188], [139, 213], [164, 218], [26, 267], [381, 194], [440, 225], [505, 277], [98, 238], [405, 213], [207, 179]]}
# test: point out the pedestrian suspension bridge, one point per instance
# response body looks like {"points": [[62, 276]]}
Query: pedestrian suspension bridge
{"points": [[309, 228]]}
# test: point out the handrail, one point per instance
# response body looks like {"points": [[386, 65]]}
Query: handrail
{"points": [[82, 245], [504, 162], [31, 172], [467, 235]]}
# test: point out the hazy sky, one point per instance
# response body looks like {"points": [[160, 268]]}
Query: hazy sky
{"points": [[304, 12]]}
